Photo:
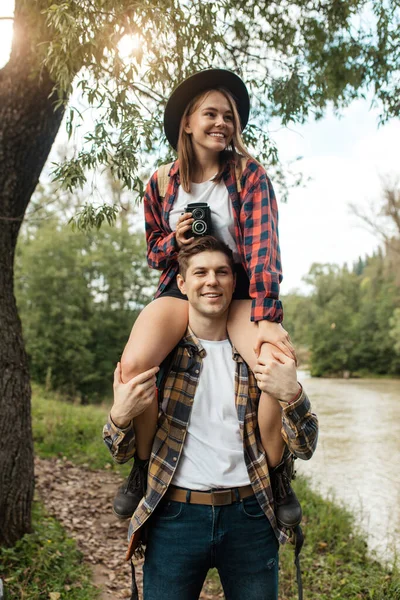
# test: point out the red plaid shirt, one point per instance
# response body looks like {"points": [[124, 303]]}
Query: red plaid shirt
{"points": [[256, 232]]}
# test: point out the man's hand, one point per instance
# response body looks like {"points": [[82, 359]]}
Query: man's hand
{"points": [[277, 376], [132, 398]]}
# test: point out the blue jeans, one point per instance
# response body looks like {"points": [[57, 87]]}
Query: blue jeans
{"points": [[186, 540]]}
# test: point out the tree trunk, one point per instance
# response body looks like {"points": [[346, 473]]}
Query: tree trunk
{"points": [[28, 127]]}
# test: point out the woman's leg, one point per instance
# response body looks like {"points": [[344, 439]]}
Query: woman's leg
{"points": [[243, 334], [156, 331]]}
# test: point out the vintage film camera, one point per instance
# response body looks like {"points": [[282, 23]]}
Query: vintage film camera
{"points": [[201, 214]]}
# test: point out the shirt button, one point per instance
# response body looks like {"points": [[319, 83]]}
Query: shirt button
{"points": [[197, 371], [174, 459]]}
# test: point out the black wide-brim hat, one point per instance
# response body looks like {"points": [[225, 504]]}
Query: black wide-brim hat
{"points": [[200, 82]]}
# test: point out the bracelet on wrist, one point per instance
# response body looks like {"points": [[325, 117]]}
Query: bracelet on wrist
{"points": [[297, 396], [118, 425]]}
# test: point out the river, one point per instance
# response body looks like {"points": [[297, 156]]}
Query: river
{"points": [[358, 453]]}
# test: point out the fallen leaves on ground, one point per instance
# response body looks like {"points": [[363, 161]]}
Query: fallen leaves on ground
{"points": [[81, 500]]}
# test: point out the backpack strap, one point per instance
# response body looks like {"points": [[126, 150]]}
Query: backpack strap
{"points": [[243, 163], [298, 544], [168, 365], [163, 179], [163, 373]]}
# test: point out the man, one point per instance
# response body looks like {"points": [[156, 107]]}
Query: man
{"points": [[209, 501]]}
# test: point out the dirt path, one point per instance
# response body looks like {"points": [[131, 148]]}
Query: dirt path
{"points": [[81, 500]]}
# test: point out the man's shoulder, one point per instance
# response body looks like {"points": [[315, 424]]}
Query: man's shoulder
{"points": [[183, 353]]}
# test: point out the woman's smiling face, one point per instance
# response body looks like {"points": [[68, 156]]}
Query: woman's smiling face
{"points": [[211, 125]]}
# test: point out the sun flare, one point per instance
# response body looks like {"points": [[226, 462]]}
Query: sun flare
{"points": [[6, 33], [6, 30], [128, 46]]}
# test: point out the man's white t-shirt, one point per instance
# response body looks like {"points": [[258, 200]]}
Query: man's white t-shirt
{"points": [[217, 197], [212, 455]]}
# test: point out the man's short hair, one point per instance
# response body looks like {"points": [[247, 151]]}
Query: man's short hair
{"points": [[206, 243]]}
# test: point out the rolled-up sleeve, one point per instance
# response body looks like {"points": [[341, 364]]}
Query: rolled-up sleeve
{"points": [[259, 224], [161, 243], [120, 442], [300, 427]]}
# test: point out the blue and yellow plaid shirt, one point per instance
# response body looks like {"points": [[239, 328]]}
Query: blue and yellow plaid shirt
{"points": [[299, 430]]}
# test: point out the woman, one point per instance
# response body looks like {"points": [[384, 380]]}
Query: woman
{"points": [[203, 120]]}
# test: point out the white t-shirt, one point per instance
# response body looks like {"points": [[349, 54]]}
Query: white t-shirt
{"points": [[217, 197], [212, 455]]}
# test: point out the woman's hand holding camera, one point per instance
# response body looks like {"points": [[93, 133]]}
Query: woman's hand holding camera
{"points": [[183, 226]]}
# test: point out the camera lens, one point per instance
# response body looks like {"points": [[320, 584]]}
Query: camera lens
{"points": [[198, 213], [199, 227]]}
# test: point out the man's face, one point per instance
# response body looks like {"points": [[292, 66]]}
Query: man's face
{"points": [[208, 284]]}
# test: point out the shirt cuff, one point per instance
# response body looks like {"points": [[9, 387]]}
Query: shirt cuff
{"points": [[266, 309], [295, 398], [117, 428]]}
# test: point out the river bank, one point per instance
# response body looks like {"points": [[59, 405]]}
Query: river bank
{"points": [[356, 461]]}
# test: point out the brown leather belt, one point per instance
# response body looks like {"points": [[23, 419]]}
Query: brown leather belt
{"points": [[211, 498]]}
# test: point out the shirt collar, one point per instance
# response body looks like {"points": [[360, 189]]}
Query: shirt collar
{"points": [[190, 339]]}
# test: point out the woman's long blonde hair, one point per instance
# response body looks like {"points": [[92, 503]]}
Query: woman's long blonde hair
{"points": [[186, 155]]}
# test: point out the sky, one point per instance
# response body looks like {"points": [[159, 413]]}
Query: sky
{"points": [[343, 161]]}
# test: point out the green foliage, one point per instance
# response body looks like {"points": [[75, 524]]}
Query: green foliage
{"points": [[63, 429], [78, 296], [333, 338], [89, 217], [350, 321], [395, 329], [380, 296], [43, 562], [299, 313], [335, 561], [297, 58]]}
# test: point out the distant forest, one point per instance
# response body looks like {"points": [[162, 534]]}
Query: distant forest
{"points": [[350, 323]]}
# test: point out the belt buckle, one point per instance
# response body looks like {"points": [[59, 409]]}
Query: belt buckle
{"points": [[221, 497]]}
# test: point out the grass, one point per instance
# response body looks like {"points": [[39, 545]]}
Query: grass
{"points": [[364, 374], [335, 562], [45, 564], [62, 428]]}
